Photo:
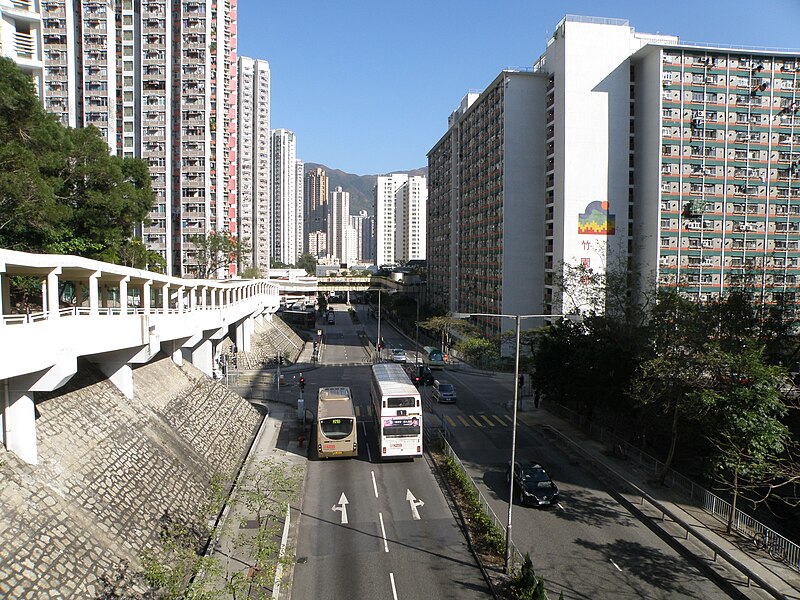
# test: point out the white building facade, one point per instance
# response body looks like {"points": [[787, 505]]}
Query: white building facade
{"points": [[400, 212], [338, 221], [160, 83], [21, 37], [254, 143], [286, 210]]}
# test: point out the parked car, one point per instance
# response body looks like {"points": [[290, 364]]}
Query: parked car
{"points": [[398, 355], [532, 484], [443, 391]]}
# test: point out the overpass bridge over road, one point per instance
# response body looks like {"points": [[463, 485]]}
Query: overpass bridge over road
{"points": [[311, 286], [116, 317]]}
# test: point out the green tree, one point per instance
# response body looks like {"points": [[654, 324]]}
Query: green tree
{"points": [[215, 251], [134, 253], [307, 262], [60, 189], [750, 440]]}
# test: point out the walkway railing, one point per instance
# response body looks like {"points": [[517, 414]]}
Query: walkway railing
{"points": [[742, 522]]}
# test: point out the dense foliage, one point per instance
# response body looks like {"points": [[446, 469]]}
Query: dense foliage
{"points": [[61, 191]]}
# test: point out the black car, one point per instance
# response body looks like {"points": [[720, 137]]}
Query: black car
{"points": [[532, 484], [419, 374], [425, 375]]}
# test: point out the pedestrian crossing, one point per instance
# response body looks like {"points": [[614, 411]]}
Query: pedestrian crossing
{"points": [[456, 420]]}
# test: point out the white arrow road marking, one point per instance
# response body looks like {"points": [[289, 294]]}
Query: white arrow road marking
{"points": [[342, 506], [414, 504]]}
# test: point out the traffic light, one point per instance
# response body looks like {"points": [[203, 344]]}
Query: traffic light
{"points": [[520, 381], [280, 360], [302, 383]]}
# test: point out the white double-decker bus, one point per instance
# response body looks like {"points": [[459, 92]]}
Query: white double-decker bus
{"points": [[398, 412]]}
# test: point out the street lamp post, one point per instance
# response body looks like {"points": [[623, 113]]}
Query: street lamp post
{"points": [[517, 319]]}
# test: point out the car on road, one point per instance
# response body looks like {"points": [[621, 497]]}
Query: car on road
{"points": [[399, 355], [443, 391], [419, 374], [532, 484]]}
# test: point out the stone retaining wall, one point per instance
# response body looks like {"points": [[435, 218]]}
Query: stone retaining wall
{"points": [[110, 469]]}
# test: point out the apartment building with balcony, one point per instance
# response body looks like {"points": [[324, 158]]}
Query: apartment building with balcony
{"points": [[158, 79], [485, 206], [21, 37], [315, 206], [399, 211], [675, 164], [338, 224], [287, 198], [254, 142], [720, 128]]}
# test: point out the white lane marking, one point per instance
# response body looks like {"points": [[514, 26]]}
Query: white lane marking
{"points": [[414, 504], [616, 565], [394, 589], [342, 506], [558, 504], [369, 453], [374, 485], [383, 531]]}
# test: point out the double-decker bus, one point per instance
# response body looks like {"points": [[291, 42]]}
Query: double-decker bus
{"points": [[433, 357], [398, 412], [337, 434]]}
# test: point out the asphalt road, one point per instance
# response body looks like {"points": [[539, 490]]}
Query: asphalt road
{"points": [[588, 546], [370, 529]]}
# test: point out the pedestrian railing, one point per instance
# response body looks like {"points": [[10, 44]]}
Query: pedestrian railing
{"points": [[779, 546]]}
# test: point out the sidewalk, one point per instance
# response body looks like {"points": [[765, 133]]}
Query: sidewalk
{"points": [[687, 524]]}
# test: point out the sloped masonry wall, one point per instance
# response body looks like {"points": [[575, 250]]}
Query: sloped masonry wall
{"points": [[110, 469]]}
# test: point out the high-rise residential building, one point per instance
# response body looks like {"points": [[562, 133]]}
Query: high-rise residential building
{"points": [[318, 244], [676, 163], [412, 201], [160, 83], [315, 204], [338, 219], [399, 207], [481, 254], [254, 140], [363, 226], [350, 247], [299, 172], [287, 208], [21, 37]]}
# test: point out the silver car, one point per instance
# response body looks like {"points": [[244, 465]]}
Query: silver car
{"points": [[443, 391], [398, 355]]}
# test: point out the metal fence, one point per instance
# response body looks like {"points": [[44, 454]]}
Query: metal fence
{"points": [[516, 556], [778, 546]]}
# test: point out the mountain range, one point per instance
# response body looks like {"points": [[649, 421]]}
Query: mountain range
{"points": [[360, 186]]}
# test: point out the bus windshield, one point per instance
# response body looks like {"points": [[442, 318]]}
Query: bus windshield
{"points": [[336, 428]]}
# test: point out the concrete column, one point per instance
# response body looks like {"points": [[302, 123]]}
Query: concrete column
{"points": [[146, 296], [202, 357], [247, 334], [123, 295], [239, 334], [165, 298], [5, 296], [19, 419], [52, 294], [182, 299], [173, 348], [94, 293], [78, 294], [119, 372], [192, 298]]}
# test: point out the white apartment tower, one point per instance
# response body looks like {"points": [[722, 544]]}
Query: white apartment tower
{"points": [[338, 220], [159, 80], [254, 162], [672, 163], [286, 210], [299, 190], [412, 201], [21, 37], [363, 225], [400, 202]]}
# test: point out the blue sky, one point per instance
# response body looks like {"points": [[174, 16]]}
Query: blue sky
{"points": [[367, 85]]}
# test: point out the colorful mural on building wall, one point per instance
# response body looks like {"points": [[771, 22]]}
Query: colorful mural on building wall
{"points": [[596, 220]]}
